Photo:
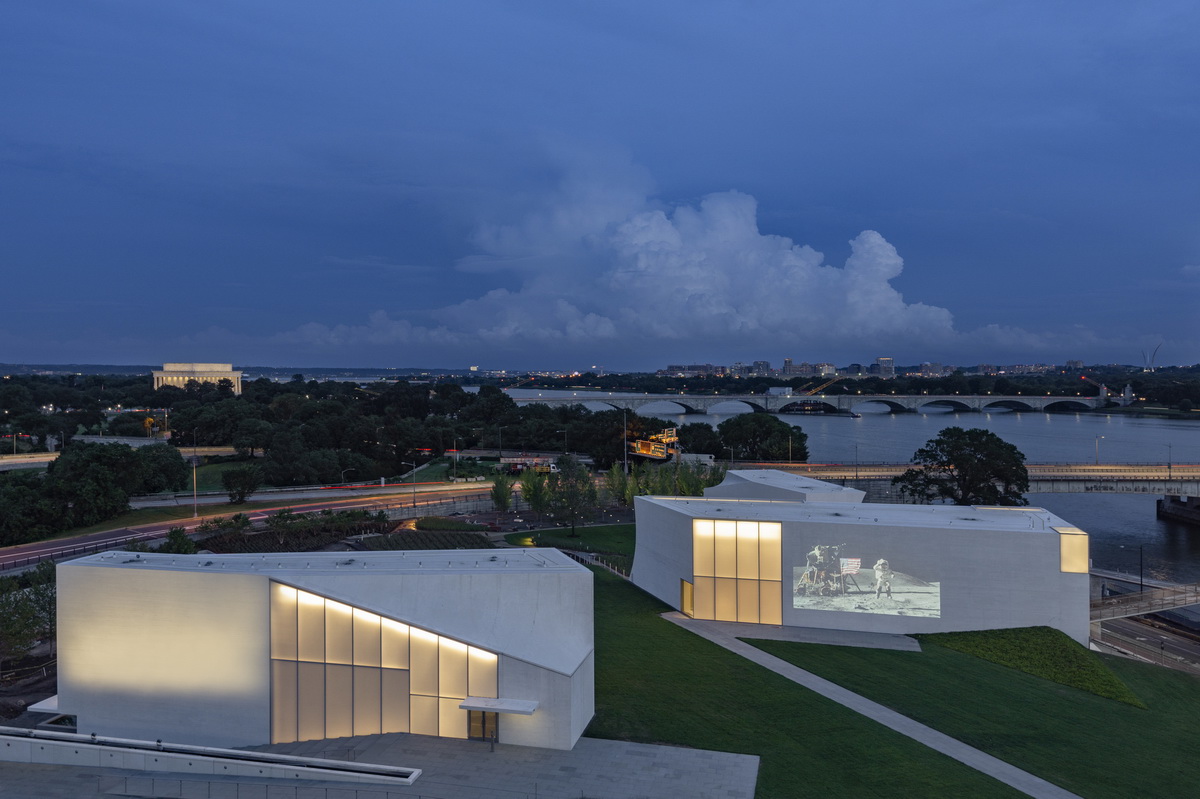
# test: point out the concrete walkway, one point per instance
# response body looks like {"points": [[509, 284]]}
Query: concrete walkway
{"points": [[725, 634], [452, 769], [595, 769]]}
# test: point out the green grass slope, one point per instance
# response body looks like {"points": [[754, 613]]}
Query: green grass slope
{"points": [[1084, 742], [658, 683]]}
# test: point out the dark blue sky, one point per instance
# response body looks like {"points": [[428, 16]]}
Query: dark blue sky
{"points": [[559, 184]]}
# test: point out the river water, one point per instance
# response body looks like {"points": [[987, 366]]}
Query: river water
{"points": [[1118, 524]]}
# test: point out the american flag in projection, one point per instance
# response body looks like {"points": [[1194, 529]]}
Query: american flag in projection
{"points": [[851, 565]]}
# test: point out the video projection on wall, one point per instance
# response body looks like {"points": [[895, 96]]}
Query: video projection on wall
{"points": [[879, 575]]}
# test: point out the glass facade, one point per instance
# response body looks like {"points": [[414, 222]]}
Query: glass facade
{"points": [[737, 571], [338, 670]]}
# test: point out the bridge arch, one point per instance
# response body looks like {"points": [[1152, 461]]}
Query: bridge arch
{"points": [[892, 405], [1010, 404], [683, 406], [1066, 405], [809, 406], [731, 406], [957, 405]]}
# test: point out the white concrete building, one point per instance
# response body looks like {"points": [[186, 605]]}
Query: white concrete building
{"points": [[180, 374], [238, 650], [810, 562], [774, 484]]}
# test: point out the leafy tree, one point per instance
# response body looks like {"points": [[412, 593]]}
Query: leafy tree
{"points": [[502, 488], [162, 469], [966, 467], [241, 482], [763, 436], [251, 435], [699, 437], [617, 486], [42, 597], [177, 542], [535, 491], [18, 621], [572, 492]]}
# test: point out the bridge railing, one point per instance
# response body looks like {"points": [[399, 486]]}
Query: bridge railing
{"points": [[1156, 600]]}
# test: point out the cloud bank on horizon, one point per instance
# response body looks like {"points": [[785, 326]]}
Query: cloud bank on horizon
{"points": [[609, 274]]}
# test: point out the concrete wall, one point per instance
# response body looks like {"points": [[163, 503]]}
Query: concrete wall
{"points": [[550, 726], [988, 579], [185, 655], [545, 618], [180, 656], [663, 555]]}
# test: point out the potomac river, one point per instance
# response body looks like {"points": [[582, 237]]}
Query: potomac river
{"points": [[1118, 524]]}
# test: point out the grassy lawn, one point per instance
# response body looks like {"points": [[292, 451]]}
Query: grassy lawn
{"points": [[208, 476], [1090, 745], [617, 538], [657, 683]]}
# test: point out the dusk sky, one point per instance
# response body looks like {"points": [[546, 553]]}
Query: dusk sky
{"points": [[625, 184]]}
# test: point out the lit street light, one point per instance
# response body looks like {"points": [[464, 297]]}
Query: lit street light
{"points": [[414, 480], [195, 460], [1141, 569], [1098, 449]]}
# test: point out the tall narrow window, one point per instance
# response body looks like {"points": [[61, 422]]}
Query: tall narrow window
{"points": [[337, 670], [737, 572]]}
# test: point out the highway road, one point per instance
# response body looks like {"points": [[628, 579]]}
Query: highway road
{"points": [[433, 498], [391, 491], [1154, 644]]}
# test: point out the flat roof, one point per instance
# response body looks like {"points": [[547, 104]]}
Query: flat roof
{"points": [[976, 517], [788, 481], [418, 561]]}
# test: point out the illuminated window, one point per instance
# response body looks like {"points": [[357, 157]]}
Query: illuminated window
{"points": [[338, 671], [737, 572], [1072, 550]]}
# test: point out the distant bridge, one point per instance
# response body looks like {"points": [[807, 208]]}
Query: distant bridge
{"points": [[828, 403], [1044, 478]]}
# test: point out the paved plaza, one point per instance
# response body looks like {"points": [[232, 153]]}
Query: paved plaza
{"points": [[452, 769]]}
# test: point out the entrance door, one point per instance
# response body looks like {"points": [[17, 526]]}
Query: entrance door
{"points": [[481, 725]]}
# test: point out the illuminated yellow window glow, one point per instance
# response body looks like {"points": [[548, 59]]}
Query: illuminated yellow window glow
{"points": [[337, 671], [1072, 550], [736, 572]]}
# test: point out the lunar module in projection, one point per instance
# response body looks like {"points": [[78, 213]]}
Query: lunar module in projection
{"points": [[827, 573]]}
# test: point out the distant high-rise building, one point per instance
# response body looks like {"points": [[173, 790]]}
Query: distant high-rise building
{"points": [[787, 366], [887, 367], [1075, 365], [760, 368]]}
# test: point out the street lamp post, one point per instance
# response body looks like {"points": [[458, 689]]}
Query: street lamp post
{"points": [[1098, 449], [1168, 446], [625, 440], [564, 432], [351, 469], [856, 461], [414, 480], [195, 460], [1141, 569], [456, 453]]}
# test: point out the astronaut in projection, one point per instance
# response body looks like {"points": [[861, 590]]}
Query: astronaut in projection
{"points": [[883, 578]]}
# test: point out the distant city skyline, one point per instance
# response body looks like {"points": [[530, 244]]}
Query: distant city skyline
{"points": [[544, 185]]}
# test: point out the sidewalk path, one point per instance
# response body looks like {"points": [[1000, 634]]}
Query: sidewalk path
{"points": [[721, 634]]}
